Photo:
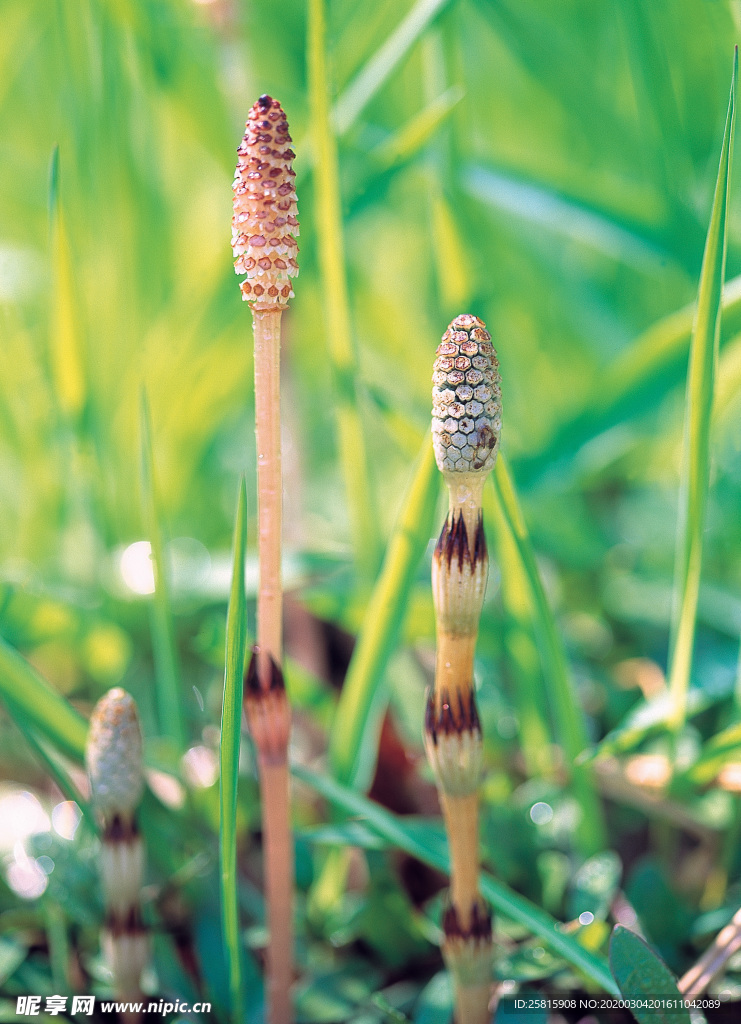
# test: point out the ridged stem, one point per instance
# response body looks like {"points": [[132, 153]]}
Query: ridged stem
{"points": [[266, 326], [274, 779], [279, 881], [453, 739]]}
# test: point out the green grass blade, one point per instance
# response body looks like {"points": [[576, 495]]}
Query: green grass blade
{"points": [[503, 899], [52, 765], [698, 411], [231, 732], [66, 355], [167, 669], [651, 718], [555, 211], [384, 61], [635, 382], [33, 698], [411, 138], [522, 653], [353, 726], [351, 436], [567, 714]]}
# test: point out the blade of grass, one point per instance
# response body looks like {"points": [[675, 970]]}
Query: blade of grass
{"points": [[521, 650], [34, 699], [557, 212], [698, 411], [504, 899], [382, 64], [351, 437], [650, 718], [66, 351], [635, 382], [354, 723], [53, 766], [167, 669], [567, 714], [231, 732], [410, 139]]}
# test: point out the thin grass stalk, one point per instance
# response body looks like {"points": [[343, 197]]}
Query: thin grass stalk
{"points": [[466, 422], [164, 645], [351, 436], [695, 479], [264, 226], [29, 695], [591, 832], [351, 759], [231, 730]]}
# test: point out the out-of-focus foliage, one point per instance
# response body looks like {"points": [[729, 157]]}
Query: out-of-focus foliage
{"points": [[546, 164]]}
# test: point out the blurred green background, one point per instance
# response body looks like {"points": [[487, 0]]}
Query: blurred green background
{"points": [[545, 164]]}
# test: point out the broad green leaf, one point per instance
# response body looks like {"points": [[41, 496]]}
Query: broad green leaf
{"points": [[502, 898], [352, 741], [435, 1003], [231, 732], [698, 410], [328, 219], [167, 669], [32, 697], [567, 714], [642, 976]]}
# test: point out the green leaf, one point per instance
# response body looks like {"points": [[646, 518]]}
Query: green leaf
{"points": [[505, 900], [53, 765], [632, 384], [231, 732], [698, 409], [351, 746], [568, 715], [405, 143], [167, 669], [31, 696], [642, 975], [725, 746]]}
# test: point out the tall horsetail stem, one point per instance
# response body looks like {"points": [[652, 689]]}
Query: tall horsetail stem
{"points": [[264, 230], [466, 424], [114, 762]]}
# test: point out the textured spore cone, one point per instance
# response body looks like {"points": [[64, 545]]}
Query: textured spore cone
{"points": [[466, 399], [264, 223], [114, 755]]}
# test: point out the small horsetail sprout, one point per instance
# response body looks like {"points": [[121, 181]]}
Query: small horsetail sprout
{"points": [[466, 424], [114, 763], [264, 230]]}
